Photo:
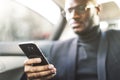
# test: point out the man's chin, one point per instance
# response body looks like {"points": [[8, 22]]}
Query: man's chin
{"points": [[79, 32]]}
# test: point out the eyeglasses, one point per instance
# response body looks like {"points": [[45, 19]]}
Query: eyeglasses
{"points": [[79, 9]]}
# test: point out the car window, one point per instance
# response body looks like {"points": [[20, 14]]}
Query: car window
{"points": [[20, 21]]}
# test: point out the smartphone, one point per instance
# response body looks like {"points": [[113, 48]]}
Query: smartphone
{"points": [[31, 50]]}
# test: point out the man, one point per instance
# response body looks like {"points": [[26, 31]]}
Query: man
{"points": [[77, 59]]}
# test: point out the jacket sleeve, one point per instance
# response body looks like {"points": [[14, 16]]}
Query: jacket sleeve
{"points": [[24, 77]]}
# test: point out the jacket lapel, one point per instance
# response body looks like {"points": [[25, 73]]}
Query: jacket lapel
{"points": [[72, 60]]}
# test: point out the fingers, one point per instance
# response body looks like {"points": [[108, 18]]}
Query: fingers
{"points": [[50, 76], [41, 75], [41, 72], [31, 69], [43, 78], [32, 61]]}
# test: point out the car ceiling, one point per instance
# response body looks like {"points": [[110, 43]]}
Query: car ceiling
{"points": [[108, 9]]}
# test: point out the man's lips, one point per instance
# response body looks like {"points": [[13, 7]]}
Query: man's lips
{"points": [[76, 24]]}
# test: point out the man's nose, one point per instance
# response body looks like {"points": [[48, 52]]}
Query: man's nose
{"points": [[75, 14]]}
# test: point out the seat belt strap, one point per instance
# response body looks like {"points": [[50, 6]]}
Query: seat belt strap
{"points": [[101, 57]]}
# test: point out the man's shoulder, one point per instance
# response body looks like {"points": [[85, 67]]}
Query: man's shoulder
{"points": [[113, 32], [113, 35]]}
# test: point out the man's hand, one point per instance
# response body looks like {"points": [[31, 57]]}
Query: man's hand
{"points": [[43, 72]]}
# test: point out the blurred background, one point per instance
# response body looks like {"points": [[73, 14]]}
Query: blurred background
{"points": [[21, 20]]}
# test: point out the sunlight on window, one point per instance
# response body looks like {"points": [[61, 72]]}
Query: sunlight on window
{"points": [[104, 25], [46, 8]]}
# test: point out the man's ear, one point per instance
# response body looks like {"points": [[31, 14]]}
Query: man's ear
{"points": [[98, 8]]}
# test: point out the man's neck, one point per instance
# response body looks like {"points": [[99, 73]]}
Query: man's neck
{"points": [[90, 34]]}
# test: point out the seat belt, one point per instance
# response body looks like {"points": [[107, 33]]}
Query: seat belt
{"points": [[101, 57]]}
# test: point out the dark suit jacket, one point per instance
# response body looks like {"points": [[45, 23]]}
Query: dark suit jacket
{"points": [[63, 55]]}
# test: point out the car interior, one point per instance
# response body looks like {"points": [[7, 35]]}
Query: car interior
{"points": [[40, 21]]}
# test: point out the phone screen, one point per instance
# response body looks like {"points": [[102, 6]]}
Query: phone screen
{"points": [[32, 51]]}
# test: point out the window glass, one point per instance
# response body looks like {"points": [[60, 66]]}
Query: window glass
{"points": [[19, 21]]}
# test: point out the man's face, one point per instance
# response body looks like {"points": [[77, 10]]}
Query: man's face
{"points": [[80, 14]]}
